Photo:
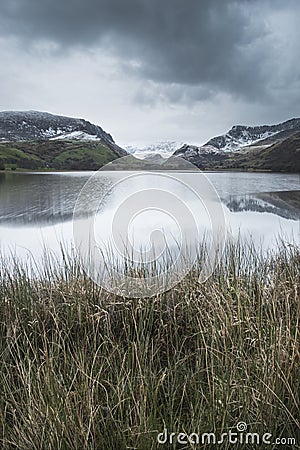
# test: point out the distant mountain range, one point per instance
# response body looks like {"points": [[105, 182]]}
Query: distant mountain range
{"points": [[164, 149], [39, 140]]}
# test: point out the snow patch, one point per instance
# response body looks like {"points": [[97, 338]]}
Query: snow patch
{"points": [[76, 135]]}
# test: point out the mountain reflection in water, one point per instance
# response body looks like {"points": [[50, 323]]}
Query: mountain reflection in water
{"points": [[36, 209]]}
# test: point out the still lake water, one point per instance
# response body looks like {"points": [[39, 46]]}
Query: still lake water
{"points": [[36, 209]]}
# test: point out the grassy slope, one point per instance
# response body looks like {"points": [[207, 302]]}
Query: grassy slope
{"points": [[61, 155], [284, 155], [84, 369]]}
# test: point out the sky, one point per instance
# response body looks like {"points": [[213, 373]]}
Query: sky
{"points": [[153, 70]]}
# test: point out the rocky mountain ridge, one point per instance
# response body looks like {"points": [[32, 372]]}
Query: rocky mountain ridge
{"points": [[240, 136], [280, 155], [19, 126], [33, 140], [266, 147]]}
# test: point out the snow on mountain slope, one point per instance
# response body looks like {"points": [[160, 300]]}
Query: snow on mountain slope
{"points": [[241, 136], [76, 135], [34, 125], [22, 126], [229, 143], [191, 151]]}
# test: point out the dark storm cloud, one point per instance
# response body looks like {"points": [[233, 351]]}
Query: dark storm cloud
{"points": [[216, 45]]}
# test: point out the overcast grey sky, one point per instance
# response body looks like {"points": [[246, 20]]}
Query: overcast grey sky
{"points": [[152, 70]]}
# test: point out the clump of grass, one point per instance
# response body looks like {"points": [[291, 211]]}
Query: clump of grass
{"points": [[84, 369]]}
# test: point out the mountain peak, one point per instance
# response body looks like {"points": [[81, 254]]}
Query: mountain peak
{"points": [[240, 136], [18, 126], [40, 125], [263, 147]]}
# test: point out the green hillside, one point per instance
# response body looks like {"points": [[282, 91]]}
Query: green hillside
{"points": [[55, 155]]}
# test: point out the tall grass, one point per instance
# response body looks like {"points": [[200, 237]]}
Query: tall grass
{"points": [[83, 369]]}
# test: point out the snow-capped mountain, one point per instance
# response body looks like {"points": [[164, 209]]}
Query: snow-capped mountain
{"points": [[278, 153], [200, 155], [191, 151], [241, 136], [164, 149], [265, 147], [19, 126], [34, 125]]}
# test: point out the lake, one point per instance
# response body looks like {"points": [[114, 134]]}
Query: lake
{"points": [[36, 209]]}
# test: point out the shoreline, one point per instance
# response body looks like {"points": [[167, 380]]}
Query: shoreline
{"points": [[22, 171]]}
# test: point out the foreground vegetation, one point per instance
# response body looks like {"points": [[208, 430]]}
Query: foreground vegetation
{"points": [[83, 369]]}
